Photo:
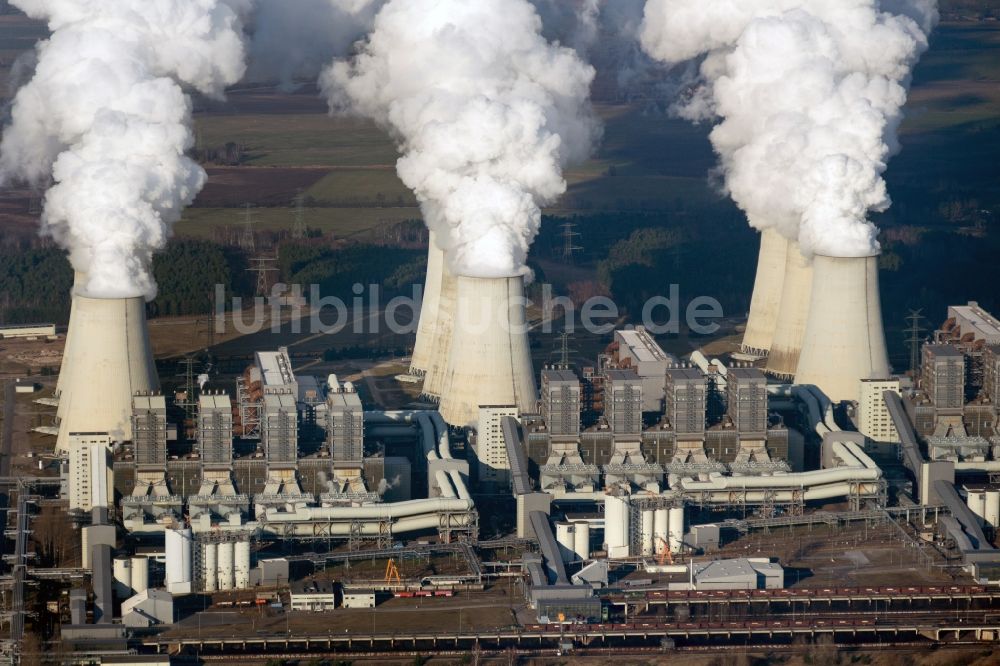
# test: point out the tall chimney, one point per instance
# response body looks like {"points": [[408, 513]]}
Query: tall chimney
{"points": [[766, 300], [844, 341], [490, 361], [108, 359], [790, 327]]}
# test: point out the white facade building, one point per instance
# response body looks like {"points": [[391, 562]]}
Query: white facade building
{"points": [[874, 421], [494, 468], [90, 475]]}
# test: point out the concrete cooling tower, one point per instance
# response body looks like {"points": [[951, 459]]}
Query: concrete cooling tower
{"points": [[108, 359], [793, 313], [489, 362], [440, 340], [79, 279], [844, 339], [766, 298], [423, 348]]}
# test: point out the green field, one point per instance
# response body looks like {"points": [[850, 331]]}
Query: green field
{"points": [[341, 222]]}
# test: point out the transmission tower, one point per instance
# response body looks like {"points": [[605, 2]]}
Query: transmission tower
{"points": [[247, 238], [563, 351], [261, 266], [914, 339], [569, 244], [299, 226]]}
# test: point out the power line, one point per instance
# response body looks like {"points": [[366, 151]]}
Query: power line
{"points": [[569, 244], [247, 237], [915, 339]]}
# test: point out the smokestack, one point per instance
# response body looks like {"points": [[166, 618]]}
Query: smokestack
{"points": [[108, 360], [844, 340], [790, 328], [766, 300], [489, 362]]}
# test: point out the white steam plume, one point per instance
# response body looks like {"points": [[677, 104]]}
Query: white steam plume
{"points": [[486, 113], [810, 96], [105, 119]]}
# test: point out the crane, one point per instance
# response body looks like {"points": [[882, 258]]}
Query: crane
{"points": [[392, 572], [664, 556]]}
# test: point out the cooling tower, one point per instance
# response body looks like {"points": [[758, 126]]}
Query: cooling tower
{"points": [[79, 280], [489, 362], [766, 298], [108, 358], [423, 348], [793, 313], [440, 340], [844, 341]]}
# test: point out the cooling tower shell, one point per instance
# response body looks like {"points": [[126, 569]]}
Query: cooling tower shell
{"points": [[109, 359], [844, 340], [793, 314], [423, 348], [489, 362], [767, 290], [434, 343], [79, 281]]}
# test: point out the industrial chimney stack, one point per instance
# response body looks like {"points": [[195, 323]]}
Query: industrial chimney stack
{"points": [[107, 360], [793, 313], [489, 361], [844, 339], [766, 300]]}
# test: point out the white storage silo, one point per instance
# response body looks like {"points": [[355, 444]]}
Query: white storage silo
{"points": [[676, 529], [178, 554], [566, 537], [976, 500], [992, 507], [490, 361], [111, 359], [616, 525], [226, 566], [844, 341], [661, 530], [122, 574], [140, 574], [242, 565], [793, 313], [766, 300], [581, 541], [210, 566], [646, 533]]}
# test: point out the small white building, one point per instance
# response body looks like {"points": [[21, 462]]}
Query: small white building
{"points": [[27, 331], [90, 474], [313, 595], [745, 573], [359, 598], [148, 609]]}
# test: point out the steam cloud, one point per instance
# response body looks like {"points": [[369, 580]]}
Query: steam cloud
{"points": [[486, 113], [106, 119], [810, 93]]}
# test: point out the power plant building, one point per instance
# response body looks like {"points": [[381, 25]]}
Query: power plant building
{"points": [[686, 396], [561, 403], [215, 429], [874, 420], [746, 401], [91, 481], [623, 403], [149, 431], [637, 349], [345, 424], [491, 450]]}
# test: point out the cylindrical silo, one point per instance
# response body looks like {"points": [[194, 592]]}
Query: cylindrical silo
{"points": [[977, 502], [766, 300], [661, 529], [242, 565], [210, 566], [992, 506], [676, 529], [844, 341], [140, 574], [226, 566], [112, 360], [616, 525], [581, 541], [790, 329], [566, 536], [646, 533], [178, 552], [122, 572], [490, 361]]}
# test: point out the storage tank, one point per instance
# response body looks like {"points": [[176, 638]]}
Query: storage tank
{"points": [[227, 580], [140, 574], [489, 362], [111, 360], [992, 507], [844, 340], [242, 565], [616, 525], [661, 530], [122, 574], [646, 533], [976, 500], [566, 536], [766, 300], [581, 541], [210, 565], [676, 529], [178, 555], [793, 313]]}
